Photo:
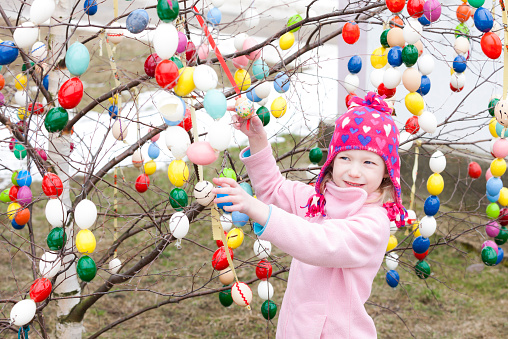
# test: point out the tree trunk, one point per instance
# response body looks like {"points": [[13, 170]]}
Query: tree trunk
{"points": [[67, 284]]}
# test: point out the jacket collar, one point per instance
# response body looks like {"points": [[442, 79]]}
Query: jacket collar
{"points": [[343, 202]]}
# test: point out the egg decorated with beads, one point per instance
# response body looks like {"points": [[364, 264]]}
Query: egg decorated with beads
{"points": [[501, 112]]}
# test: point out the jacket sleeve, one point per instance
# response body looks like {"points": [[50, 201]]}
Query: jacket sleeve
{"points": [[269, 184], [338, 243]]}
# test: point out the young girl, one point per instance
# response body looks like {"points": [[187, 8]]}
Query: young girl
{"points": [[336, 236]]}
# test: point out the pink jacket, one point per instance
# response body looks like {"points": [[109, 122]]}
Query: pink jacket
{"points": [[335, 258]]}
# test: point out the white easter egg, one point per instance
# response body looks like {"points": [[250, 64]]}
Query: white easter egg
{"points": [[437, 162]]}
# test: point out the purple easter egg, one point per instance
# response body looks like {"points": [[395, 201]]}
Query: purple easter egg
{"points": [[24, 195], [432, 10], [486, 243], [182, 42], [492, 229], [2, 99]]}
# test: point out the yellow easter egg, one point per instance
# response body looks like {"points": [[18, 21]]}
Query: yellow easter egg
{"points": [[435, 184], [379, 57], [22, 113], [178, 172], [114, 99], [278, 107], [185, 83], [20, 81], [492, 127], [498, 167], [286, 41], [12, 209], [235, 238], [392, 243], [242, 79], [150, 167], [85, 241], [503, 196], [416, 230], [414, 103]]}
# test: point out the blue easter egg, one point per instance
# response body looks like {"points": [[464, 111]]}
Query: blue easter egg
{"points": [[251, 95], [247, 188], [483, 19], [493, 198], [16, 225], [431, 205], [45, 82], [77, 59], [500, 255], [153, 151], [215, 103], [137, 21], [239, 219], [214, 16], [222, 204], [424, 86], [260, 69], [499, 130], [24, 178], [421, 245], [354, 65], [424, 21], [395, 56], [281, 82], [392, 278], [90, 7], [8, 52], [113, 111], [494, 185], [459, 64]]}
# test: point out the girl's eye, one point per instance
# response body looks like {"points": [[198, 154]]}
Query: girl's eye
{"points": [[344, 158], [370, 162]]}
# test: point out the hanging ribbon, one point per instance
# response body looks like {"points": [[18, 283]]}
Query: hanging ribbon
{"points": [[413, 188], [115, 207], [23, 332], [505, 70]]}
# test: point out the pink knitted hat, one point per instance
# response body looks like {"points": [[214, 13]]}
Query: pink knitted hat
{"points": [[367, 125]]}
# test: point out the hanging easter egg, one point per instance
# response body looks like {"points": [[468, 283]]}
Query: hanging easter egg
{"points": [[214, 16], [462, 30], [165, 39], [242, 79], [235, 238], [493, 186], [459, 64], [41, 11], [483, 19], [120, 130], [414, 103], [186, 123], [293, 20], [354, 64], [499, 149], [463, 12], [201, 153], [185, 83], [263, 270], [409, 55], [265, 290], [491, 45], [392, 243], [22, 216], [114, 266], [151, 63], [260, 69], [240, 62], [501, 112], [244, 108], [278, 107], [150, 168], [286, 41], [40, 290], [395, 6], [90, 7], [376, 77], [52, 185], [461, 45], [379, 57], [26, 35], [70, 93], [13, 193], [241, 293], [457, 81], [383, 38], [179, 225], [56, 239], [392, 261], [226, 222], [167, 10], [50, 264], [77, 59], [166, 74], [142, 183], [281, 82], [226, 277], [427, 227], [239, 219], [8, 52], [219, 135], [498, 167], [498, 30], [351, 82], [415, 8], [388, 93], [262, 248], [85, 241], [489, 256], [412, 125], [205, 78], [435, 184], [137, 21], [263, 89], [219, 258], [24, 196], [426, 64], [392, 278], [251, 17], [412, 32], [431, 206], [239, 40], [177, 141], [437, 162], [178, 173], [351, 32], [395, 37], [178, 199], [20, 82], [395, 56], [86, 268], [248, 44], [85, 214], [24, 178], [424, 85], [422, 269], [215, 103], [23, 312], [153, 151], [432, 10], [19, 151], [171, 107], [4, 196], [225, 297], [203, 193], [39, 51], [56, 213], [474, 170], [411, 79], [421, 244], [137, 158], [190, 51]]}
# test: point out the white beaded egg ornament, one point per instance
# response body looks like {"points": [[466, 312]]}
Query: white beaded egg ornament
{"points": [[241, 293], [501, 112], [244, 108], [203, 193]]}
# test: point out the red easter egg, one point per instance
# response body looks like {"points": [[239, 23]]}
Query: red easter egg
{"points": [[186, 123], [463, 12], [412, 125], [13, 193], [351, 32], [22, 216], [166, 74], [219, 242], [503, 217], [348, 98], [415, 8], [382, 90], [190, 51], [395, 6], [151, 63], [36, 108], [40, 290], [397, 20], [474, 170], [420, 256], [52, 185], [142, 183], [263, 270], [491, 45], [219, 258], [2, 82], [456, 89], [70, 93]]}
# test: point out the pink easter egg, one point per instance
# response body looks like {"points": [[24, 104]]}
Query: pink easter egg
{"points": [[11, 144], [490, 243], [249, 43], [2, 100], [201, 153], [203, 51], [182, 43], [488, 174], [432, 10], [492, 229], [156, 137], [500, 148], [24, 196], [241, 62], [42, 154]]}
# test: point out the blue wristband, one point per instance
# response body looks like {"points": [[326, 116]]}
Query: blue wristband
{"points": [[258, 229]]}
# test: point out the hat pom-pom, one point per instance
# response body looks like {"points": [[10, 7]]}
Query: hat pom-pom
{"points": [[395, 213], [315, 204]]}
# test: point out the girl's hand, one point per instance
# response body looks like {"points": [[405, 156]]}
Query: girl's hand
{"points": [[255, 130]]}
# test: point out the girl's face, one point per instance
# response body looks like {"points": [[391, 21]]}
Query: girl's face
{"points": [[358, 168]]}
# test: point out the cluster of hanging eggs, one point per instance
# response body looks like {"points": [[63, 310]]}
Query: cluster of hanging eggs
{"points": [[19, 196]]}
